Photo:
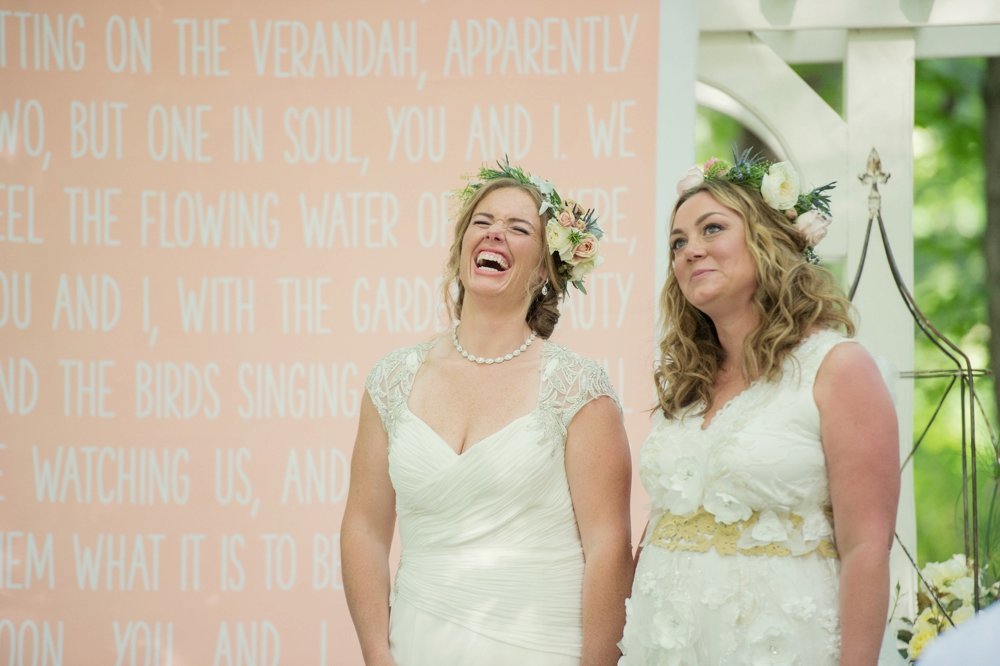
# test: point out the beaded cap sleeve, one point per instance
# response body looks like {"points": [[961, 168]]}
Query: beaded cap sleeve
{"points": [[569, 381], [390, 380]]}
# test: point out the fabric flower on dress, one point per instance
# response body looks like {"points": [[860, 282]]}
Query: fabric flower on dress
{"points": [[683, 487], [672, 630], [725, 507], [803, 608], [816, 526], [773, 644], [769, 528]]}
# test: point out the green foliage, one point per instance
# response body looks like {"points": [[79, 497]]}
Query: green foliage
{"points": [[949, 274]]}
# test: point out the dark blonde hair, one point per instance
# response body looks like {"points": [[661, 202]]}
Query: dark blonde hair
{"points": [[793, 298], [543, 311]]}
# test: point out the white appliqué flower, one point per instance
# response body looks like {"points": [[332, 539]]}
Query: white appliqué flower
{"points": [[683, 485], [802, 608], [780, 186], [769, 528], [726, 507], [671, 630], [773, 644], [694, 177], [812, 225], [816, 526]]}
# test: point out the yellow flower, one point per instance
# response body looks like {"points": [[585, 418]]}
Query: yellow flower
{"points": [[919, 642]]}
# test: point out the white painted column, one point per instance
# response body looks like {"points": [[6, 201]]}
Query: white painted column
{"points": [[879, 96], [677, 109]]}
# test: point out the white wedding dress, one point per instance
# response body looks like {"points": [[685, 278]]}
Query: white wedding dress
{"points": [[491, 570], [739, 565]]}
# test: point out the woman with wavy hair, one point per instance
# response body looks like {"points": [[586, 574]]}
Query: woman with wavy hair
{"points": [[772, 465], [505, 460]]}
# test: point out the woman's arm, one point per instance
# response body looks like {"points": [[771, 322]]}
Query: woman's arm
{"points": [[366, 536], [861, 443], [599, 470]]}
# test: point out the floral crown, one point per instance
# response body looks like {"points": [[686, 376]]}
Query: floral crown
{"points": [[778, 184], [572, 231]]}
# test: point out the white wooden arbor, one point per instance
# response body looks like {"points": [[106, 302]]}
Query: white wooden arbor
{"points": [[738, 60]]}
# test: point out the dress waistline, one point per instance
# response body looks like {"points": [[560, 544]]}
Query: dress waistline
{"points": [[762, 534]]}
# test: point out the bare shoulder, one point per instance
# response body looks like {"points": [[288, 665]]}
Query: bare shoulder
{"points": [[848, 368]]}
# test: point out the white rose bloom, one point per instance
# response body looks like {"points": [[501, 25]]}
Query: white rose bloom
{"points": [[963, 589], [941, 574], [559, 239], [780, 186]]}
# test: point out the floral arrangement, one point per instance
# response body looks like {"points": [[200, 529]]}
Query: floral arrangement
{"points": [[572, 232], [945, 600], [778, 184]]}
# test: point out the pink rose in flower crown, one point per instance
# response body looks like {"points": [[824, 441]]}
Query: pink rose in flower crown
{"points": [[692, 179], [566, 219], [586, 248], [812, 225]]}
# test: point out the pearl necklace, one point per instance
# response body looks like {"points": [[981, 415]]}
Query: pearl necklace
{"points": [[488, 361]]}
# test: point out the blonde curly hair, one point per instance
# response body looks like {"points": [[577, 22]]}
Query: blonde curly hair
{"points": [[792, 299]]}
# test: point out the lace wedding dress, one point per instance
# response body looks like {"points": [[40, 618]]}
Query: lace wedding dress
{"points": [[491, 570], [739, 565]]}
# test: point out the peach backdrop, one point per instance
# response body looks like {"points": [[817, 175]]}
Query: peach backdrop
{"points": [[214, 218]]}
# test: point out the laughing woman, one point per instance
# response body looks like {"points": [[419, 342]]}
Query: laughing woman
{"points": [[502, 455]]}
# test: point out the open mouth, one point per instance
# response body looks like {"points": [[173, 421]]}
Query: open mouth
{"points": [[491, 261]]}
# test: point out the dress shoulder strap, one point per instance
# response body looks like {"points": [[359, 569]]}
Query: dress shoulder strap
{"points": [[813, 350], [570, 381], [389, 382]]}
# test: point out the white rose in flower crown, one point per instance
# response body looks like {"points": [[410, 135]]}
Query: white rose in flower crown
{"points": [[693, 178], [812, 225], [780, 186], [560, 239]]}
